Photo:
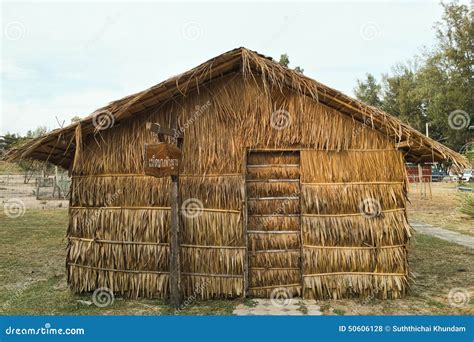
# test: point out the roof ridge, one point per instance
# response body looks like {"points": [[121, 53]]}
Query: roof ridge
{"points": [[250, 62]]}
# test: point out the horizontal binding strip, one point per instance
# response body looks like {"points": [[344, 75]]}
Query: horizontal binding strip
{"points": [[273, 215], [213, 175], [272, 180], [295, 149], [211, 247], [143, 175], [273, 231], [271, 165], [115, 270], [282, 198], [276, 251], [352, 183], [354, 273], [113, 175], [124, 207], [351, 214], [118, 242], [353, 247], [212, 275], [274, 286], [160, 208], [149, 243], [274, 268]]}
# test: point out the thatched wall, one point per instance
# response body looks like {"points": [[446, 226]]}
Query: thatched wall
{"points": [[354, 225], [118, 233]]}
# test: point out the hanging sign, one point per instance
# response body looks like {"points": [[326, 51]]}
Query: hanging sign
{"points": [[162, 160]]}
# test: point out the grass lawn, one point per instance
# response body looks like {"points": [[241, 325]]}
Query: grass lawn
{"points": [[32, 277], [442, 210]]}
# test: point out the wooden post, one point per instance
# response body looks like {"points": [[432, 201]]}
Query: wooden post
{"points": [[175, 276], [165, 151], [174, 244], [245, 222], [55, 183], [420, 180]]}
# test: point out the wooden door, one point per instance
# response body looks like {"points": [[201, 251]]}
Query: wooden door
{"points": [[273, 223]]}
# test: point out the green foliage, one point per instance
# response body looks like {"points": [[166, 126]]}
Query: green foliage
{"points": [[75, 119], [38, 132], [9, 140], [467, 204], [470, 156], [401, 95], [431, 86], [299, 70], [369, 91], [285, 61]]}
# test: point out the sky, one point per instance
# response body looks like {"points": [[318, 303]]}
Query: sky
{"points": [[66, 59]]}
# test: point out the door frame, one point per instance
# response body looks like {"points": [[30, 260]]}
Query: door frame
{"points": [[249, 150]]}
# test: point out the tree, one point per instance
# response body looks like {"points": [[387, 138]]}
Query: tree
{"points": [[8, 140], [437, 87], [30, 167], [38, 132], [369, 91], [285, 61], [401, 95], [446, 80]]}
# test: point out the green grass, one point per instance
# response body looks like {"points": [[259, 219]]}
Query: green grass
{"points": [[33, 281], [249, 302], [340, 312], [438, 264]]}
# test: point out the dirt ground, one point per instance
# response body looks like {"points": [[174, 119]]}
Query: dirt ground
{"points": [[441, 208], [13, 188]]}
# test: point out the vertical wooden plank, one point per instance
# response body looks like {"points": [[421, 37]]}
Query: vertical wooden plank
{"points": [[245, 213], [300, 190]]}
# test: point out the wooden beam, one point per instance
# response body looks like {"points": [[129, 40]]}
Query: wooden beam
{"points": [[175, 276], [403, 144]]}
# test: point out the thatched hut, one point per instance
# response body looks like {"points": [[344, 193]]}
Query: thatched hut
{"points": [[302, 187]]}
